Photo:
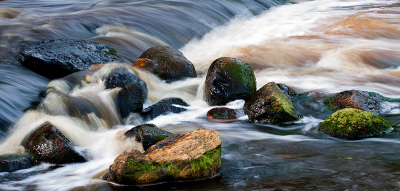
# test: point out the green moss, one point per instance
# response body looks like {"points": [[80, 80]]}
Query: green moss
{"points": [[242, 74], [158, 138], [138, 168], [111, 52], [208, 160], [374, 94], [354, 124], [328, 104]]}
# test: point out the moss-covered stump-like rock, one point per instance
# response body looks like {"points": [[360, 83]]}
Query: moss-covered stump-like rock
{"points": [[270, 105], [58, 58], [288, 91], [163, 107], [130, 99], [367, 101], [148, 134], [167, 63], [229, 79], [222, 115], [13, 162], [354, 124], [48, 144], [193, 156]]}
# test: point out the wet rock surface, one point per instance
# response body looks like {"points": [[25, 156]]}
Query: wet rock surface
{"points": [[48, 144], [130, 99], [58, 58], [193, 156], [367, 101], [121, 77], [270, 105], [354, 124], [163, 107], [13, 162], [229, 79], [222, 115], [288, 91], [167, 63], [148, 134]]}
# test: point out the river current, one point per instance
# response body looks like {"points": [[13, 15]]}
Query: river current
{"points": [[318, 48]]}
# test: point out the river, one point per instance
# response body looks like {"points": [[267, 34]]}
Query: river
{"points": [[318, 48]]}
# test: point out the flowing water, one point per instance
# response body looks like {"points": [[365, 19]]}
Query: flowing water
{"points": [[317, 47]]}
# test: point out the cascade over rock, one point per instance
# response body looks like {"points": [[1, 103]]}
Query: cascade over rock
{"points": [[163, 107], [48, 144], [229, 79], [192, 156], [58, 58], [120, 77], [167, 63]]}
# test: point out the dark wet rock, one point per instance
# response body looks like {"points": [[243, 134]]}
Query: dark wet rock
{"points": [[58, 58], [193, 156], [270, 105], [167, 63], [48, 144], [130, 99], [354, 124], [94, 186], [163, 107], [355, 99], [148, 134], [289, 92], [222, 115], [13, 162], [229, 79], [120, 77]]}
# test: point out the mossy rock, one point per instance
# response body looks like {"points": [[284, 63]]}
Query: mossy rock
{"points": [[353, 123], [270, 105], [121, 77], [229, 79], [130, 99], [288, 91], [148, 134], [193, 156]]}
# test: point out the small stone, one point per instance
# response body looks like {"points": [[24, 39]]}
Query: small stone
{"points": [[222, 115], [148, 134]]}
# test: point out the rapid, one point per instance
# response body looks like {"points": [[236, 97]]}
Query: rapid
{"points": [[318, 48]]}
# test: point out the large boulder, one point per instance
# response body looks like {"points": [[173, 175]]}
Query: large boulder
{"points": [[130, 99], [163, 107], [147, 134], [229, 79], [367, 101], [58, 58], [167, 63], [354, 124], [48, 144], [122, 76], [193, 156], [13, 162], [222, 115], [270, 105]]}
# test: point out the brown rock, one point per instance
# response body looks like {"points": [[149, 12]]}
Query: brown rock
{"points": [[193, 156], [355, 99], [222, 115]]}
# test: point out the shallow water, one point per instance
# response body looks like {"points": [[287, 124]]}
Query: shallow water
{"points": [[317, 47]]}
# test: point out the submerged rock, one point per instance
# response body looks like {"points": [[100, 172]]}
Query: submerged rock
{"points": [[288, 91], [130, 99], [193, 156], [163, 107], [367, 101], [58, 58], [13, 162], [354, 124], [229, 79], [222, 115], [167, 63], [270, 105], [148, 134], [121, 77], [48, 144]]}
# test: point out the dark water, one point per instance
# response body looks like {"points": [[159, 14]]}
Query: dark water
{"points": [[317, 47]]}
